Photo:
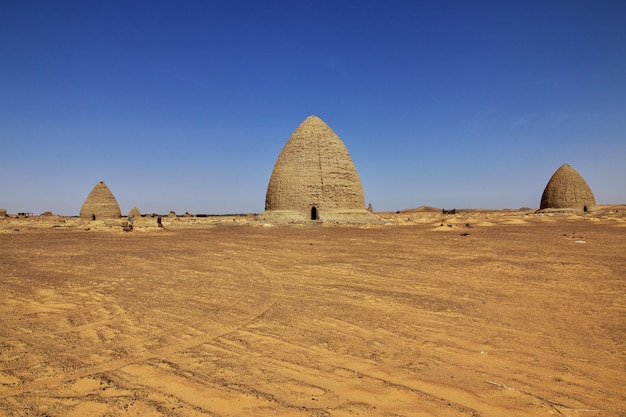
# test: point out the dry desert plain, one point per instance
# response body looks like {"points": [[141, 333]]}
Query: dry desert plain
{"points": [[520, 314]]}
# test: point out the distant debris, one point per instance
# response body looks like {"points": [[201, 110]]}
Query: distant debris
{"points": [[444, 211], [420, 209], [127, 226]]}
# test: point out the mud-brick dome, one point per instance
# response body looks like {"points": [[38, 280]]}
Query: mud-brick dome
{"points": [[134, 212], [567, 190], [100, 204], [314, 178]]}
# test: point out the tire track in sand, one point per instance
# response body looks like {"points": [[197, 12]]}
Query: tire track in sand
{"points": [[267, 298]]}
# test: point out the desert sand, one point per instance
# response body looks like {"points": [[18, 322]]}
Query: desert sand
{"points": [[480, 313]]}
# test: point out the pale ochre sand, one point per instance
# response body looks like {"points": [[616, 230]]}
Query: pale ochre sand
{"points": [[516, 315]]}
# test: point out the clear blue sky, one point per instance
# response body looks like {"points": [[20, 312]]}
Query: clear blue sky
{"points": [[185, 105]]}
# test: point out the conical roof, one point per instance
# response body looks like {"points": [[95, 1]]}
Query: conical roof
{"points": [[314, 177], [100, 204], [134, 212], [567, 190]]}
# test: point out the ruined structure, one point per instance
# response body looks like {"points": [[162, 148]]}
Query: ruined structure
{"points": [[100, 204], [567, 191], [314, 179]]}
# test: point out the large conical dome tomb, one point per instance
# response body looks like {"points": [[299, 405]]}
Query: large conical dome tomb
{"points": [[314, 179], [567, 191], [100, 204]]}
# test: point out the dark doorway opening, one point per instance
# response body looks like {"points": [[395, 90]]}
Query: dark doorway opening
{"points": [[313, 213]]}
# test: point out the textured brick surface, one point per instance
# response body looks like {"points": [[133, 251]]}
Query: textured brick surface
{"points": [[567, 190], [100, 203], [314, 170]]}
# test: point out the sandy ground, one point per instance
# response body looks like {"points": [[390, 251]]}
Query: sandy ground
{"points": [[516, 315]]}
